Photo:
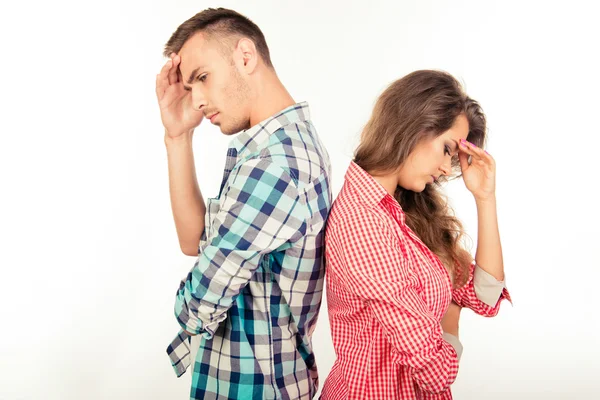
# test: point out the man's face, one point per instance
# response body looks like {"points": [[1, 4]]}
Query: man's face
{"points": [[216, 85]]}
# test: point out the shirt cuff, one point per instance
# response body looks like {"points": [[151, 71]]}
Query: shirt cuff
{"points": [[454, 342], [179, 353], [487, 288]]}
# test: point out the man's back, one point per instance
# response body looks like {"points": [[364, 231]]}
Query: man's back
{"points": [[258, 282]]}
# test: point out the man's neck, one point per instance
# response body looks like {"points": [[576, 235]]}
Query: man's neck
{"points": [[271, 98]]}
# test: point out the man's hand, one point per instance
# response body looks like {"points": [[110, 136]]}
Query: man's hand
{"points": [[176, 108], [450, 320]]}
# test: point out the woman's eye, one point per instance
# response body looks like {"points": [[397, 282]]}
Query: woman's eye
{"points": [[446, 150], [202, 78]]}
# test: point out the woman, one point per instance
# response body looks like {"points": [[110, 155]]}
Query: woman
{"points": [[395, 261]]}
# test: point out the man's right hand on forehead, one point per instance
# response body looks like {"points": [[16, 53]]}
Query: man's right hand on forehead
{"points": [[176, 109]]}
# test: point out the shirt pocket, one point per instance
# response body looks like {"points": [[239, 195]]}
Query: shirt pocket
{"points": [[212, 208]]}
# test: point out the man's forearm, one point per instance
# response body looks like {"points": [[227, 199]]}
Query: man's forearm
{"points": [[187, 203]]}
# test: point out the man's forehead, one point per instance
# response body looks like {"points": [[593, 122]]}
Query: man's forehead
{"points": [[197, 40], [196, 52], [187, 64], [190, 61]]}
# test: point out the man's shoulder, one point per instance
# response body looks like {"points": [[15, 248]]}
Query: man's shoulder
{"points": [[297, 149]]}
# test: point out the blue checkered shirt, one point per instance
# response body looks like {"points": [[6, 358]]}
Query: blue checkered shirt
{"points": [[255, 290]]}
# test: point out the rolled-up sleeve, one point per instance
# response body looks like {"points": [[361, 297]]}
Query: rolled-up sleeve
{"points": [[260, 211], [378, 273], [482, 293]]}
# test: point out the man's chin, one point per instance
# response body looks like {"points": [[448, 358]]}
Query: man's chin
{"points": [[224, 130], [232, 129]]}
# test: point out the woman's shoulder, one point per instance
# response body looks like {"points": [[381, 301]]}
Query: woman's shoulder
{"points": [[349, 212]]}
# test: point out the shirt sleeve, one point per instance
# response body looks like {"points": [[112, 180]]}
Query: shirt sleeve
{"points": [[260, 211], [377, 272], [482, 293]]}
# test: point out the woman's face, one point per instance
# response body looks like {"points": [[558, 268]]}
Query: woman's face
{"points": [[431, 157]]}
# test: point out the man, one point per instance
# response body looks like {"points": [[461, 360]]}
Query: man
{"points": [[251, 301]]}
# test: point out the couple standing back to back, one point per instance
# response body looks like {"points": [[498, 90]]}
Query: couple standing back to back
{"points": [[397, 274]]}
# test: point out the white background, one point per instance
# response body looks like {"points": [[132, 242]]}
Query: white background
{"points": [[89, 257]]}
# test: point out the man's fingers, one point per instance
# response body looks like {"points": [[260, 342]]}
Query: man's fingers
{"points": [[167, 75], [161, 86], [164, 71], [173, 78]]}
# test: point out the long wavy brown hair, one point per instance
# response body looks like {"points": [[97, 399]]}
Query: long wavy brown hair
{"points": [[417, 107]]}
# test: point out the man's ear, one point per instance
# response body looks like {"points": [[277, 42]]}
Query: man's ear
{"points": [[248, 56]]}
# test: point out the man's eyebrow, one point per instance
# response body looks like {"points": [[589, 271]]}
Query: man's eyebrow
{"points": [[191, 77], [180, 77], [193, 74]]}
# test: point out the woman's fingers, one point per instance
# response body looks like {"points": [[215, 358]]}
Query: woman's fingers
{"points": [[463, 159], [476, 152]]}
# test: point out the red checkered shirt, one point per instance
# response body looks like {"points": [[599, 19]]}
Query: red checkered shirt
{"points": [[386, 295]]}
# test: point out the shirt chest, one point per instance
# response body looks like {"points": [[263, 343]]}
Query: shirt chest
{"points": [[434, 283]]}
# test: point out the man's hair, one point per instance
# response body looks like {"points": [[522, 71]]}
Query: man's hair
{"points": [[222, 25]]}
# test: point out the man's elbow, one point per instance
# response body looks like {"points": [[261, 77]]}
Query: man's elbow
{"points": [[188, 249]]}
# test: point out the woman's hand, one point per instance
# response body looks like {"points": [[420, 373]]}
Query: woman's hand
{"points": [[480, 175]]}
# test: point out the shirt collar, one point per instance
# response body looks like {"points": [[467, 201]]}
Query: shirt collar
{"points": [[370, 191], [250, 140]]}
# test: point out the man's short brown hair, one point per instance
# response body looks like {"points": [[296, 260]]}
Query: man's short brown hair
{"points": [[219, 24]]}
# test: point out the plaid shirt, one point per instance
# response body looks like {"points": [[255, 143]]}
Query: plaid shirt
{"points": [[386, 294], [254, 292]]}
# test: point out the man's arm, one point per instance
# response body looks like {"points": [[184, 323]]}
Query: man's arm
{"points": [[260, 211], [187, 203], [179, 119]]}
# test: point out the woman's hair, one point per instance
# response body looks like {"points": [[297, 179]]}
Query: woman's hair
{"points": [[417, 107]]}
